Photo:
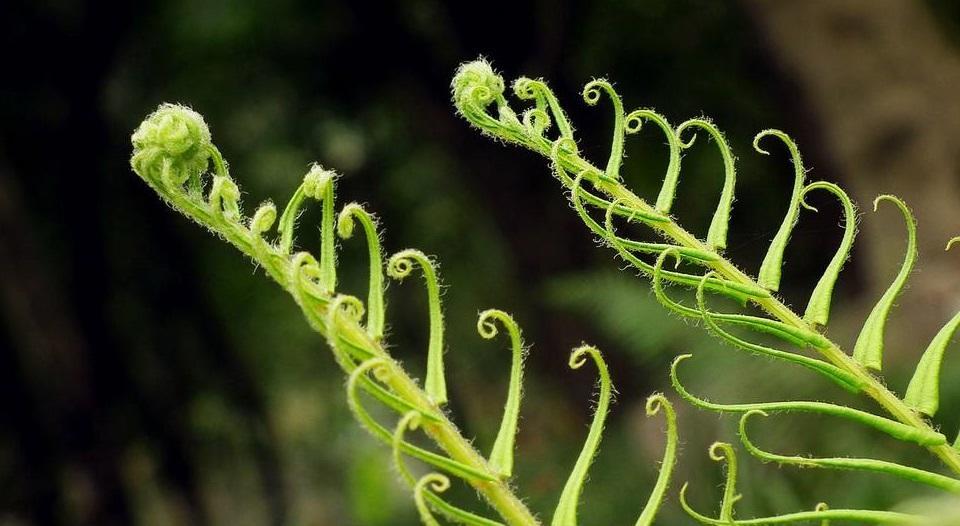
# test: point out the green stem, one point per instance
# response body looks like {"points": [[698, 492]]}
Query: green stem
{"points": [[442, 431], [872, 386]]}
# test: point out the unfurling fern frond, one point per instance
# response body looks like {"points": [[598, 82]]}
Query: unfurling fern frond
{"points": [[174, 155], [479, 96]]}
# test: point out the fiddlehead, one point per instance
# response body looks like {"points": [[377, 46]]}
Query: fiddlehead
{"points": [[723, 277], [172, 154]]}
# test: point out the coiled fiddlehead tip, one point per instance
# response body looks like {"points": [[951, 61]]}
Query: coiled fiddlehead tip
{"points": [[351, 306], [400, 265], [345, 221], [263, 218], [766, 133], [655, 402], [476, 84], [173, 138], [485, 326], [316, 181], [691, 123], [720, 451], [591, 91], [578, 356]]}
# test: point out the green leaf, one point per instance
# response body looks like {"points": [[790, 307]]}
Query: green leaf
{"points": [[923, 392], [375, 303], [717, 234], [501, 456], [591, 95], [566, 511], [869, 347], [770, 269], [399, 267], [654, 403], [818, 308], [668, 190]]}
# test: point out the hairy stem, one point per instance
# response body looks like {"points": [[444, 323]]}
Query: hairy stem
{"points": [[442, 431], [873, 387]]}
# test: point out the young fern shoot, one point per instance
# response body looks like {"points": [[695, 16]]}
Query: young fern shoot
{"points": [[479, 96], [174, 155]]}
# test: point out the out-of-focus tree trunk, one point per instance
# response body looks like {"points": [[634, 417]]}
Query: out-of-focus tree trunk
{"points": [[881, 85]]}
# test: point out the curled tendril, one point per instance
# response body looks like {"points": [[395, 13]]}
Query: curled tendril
{"points": [[314, 187], [783, 331], [591, 95], [624, 244], [352, 308], [344, 350], [770, 269], [537, 90], [375, 303], [303, 272], [654, 404], [263, 219], [425, 496], [723, 452], [224, 198], [410, 421], [891, 427], [843, 378], [818, 308], [717, 234], [399, 267], [632, 124], [171, 147], [920, 476], [578, 195], [869, 347], [536, 121], [383, 365], [501, 455], [566, 511], [261, 222], [438, 484], [624, 247], [820, 514]]}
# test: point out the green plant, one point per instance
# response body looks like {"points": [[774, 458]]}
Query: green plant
{"points": [[174, 155], [479, 95]]}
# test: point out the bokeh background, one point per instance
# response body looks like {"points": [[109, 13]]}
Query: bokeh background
{"points": [[150, 375]]}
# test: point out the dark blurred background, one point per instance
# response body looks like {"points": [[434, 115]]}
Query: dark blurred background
{"points": [[150, 375]]}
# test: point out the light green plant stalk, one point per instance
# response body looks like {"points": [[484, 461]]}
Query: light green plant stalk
{"points": [[479, 96], [173, 153]]}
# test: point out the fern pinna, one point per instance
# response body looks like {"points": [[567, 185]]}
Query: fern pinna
{"points": [[601, 200], [174, 155]]}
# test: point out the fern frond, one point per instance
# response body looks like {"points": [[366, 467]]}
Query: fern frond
{"points": [[172, 154], [722, 277]]}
